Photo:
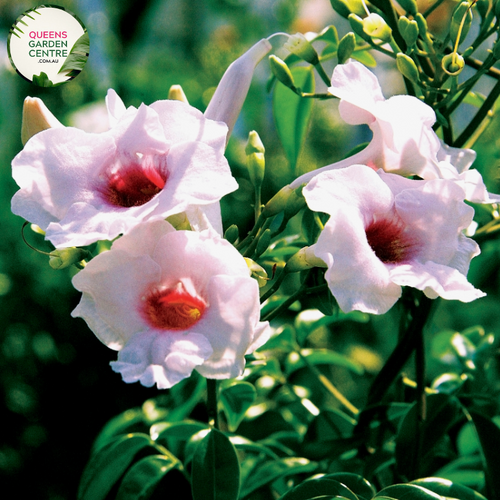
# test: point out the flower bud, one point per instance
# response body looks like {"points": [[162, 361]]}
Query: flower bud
{"points": [[263, 243], [346, 47], [36, 117], [453, 64], [346, 7], [357, 26], [278, 203], [176, 93], [179, 221], [232, 233], [282, 72], [295, 202], [376, 27], [407, 67], [299, 45], [410, 6], [422, 24], [408, 30], [256, 162], [302, 260], [232, 90], [461, 19], [65, 257], [257, 272]]}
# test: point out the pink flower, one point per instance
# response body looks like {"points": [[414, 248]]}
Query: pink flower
{"points": [[172, 302], [403, 141], [386, 231], [155, 161]]}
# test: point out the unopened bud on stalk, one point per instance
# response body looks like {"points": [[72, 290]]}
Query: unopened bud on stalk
{"points": [[256, 161], [282, 72], [36, 117], [453, 64], [299, 45], [422, 24], [408, 30], [257, 272], [376, 27], [263, 243], [357, 26], [176, 93], [346, 7], [278, 203], [410, 6], [461, 21], [302, 260], [346, 47], [65, 257], [179, 221], [295, 202], [232, 90], [232, 233], [407, 67]]}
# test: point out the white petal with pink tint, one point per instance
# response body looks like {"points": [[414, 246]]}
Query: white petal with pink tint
{"points": [[170, 302]]}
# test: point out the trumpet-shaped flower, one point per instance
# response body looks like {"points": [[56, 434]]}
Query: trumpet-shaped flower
{"points": [[386, 231], [172, 302], [403, 141], [155, 161]]}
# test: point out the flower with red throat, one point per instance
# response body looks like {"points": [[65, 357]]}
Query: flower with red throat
{"points": [[154, 162], [386, 231], [403, 140], [172, 302]]}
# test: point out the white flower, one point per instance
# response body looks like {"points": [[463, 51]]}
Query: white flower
{"points": [[172, 302], [386, 231], [403, 141], [155, 161]]}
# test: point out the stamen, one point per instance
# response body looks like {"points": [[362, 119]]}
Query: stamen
{"points": [[173, 309], [390, 240]]}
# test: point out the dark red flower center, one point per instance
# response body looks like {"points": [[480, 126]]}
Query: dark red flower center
{"points": [[133, 184], [390, 240], [173, 309]]}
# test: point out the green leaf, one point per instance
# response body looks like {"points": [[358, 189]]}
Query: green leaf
{"points": [[215, 469], [365, 57], [174, 435], [149, 475], [313, 488], [414, 458], [292, 113], [42, 80], [277, 469], [408, 492], [106, 468], [329, 35], [235, 400], [447, 488], [295, 362], [78, 55], [356, 483], [489, 436]]}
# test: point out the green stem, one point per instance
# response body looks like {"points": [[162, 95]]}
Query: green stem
{"points": [[286, 304], [213, 414], [322, 74], [251, 235], [275, 286], [479, 117]]}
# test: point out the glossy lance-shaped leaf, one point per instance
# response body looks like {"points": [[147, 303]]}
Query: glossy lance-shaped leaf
{"points": [[107, 466], [235, 400], [276, 469], [416, 439], [408, 492], [295, 362], [360, 486], [313, 488], [215, 469], [156, 474], [292, 113], [489, 436], [449, 489]]}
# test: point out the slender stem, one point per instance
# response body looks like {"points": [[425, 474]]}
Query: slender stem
{"points": [[322, 74], [329, 385], [421, 396], [258, 203], [286, 304], [251, 235], [213, 414], [275, 286], [479, 117]]}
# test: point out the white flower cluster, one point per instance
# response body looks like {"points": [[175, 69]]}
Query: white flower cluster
{"points": [[173, 301]]}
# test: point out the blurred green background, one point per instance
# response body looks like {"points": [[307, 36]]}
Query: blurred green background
{"points": [[56, 387]]}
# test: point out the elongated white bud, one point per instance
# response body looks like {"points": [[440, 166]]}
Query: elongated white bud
{"points": [[36, 117]]}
